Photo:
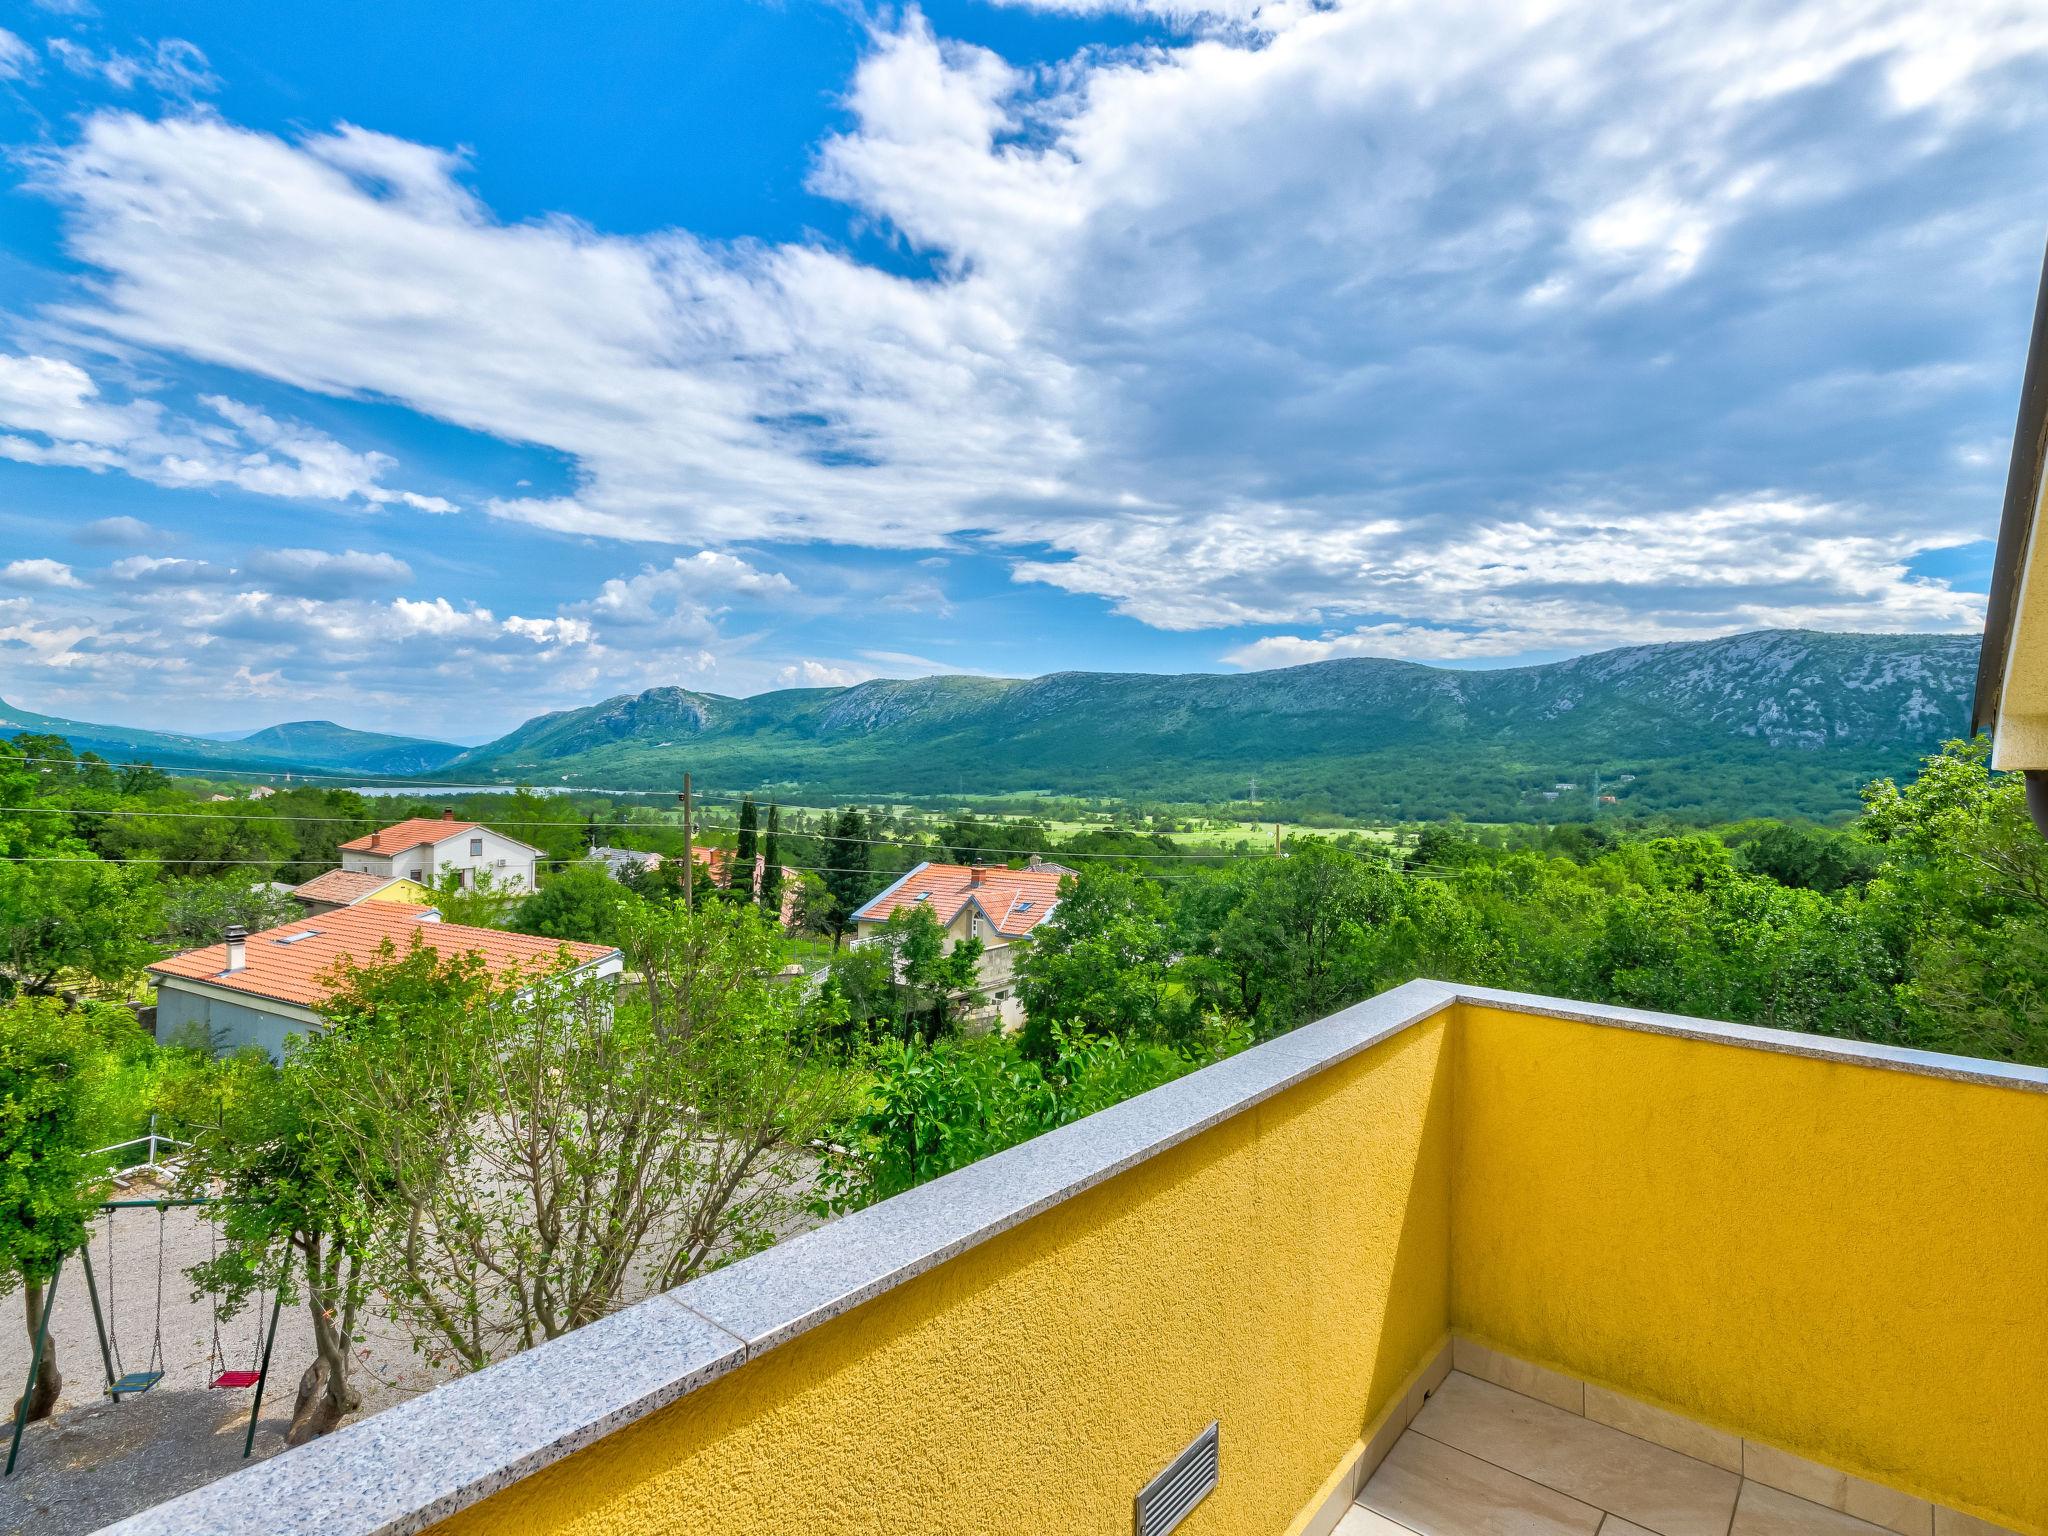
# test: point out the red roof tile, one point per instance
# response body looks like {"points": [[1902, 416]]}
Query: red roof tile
{"points": [[285, 967], [343, 887], [402, 836], [1015, 901]]}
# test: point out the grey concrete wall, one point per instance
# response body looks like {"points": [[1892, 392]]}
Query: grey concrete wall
{"points": [[230, 1026]]}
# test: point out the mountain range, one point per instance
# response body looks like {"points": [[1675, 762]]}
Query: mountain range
{"points": [[1777, 722], [311, 746]]}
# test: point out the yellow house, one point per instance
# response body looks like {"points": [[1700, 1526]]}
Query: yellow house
{"points": [[339, 888]]}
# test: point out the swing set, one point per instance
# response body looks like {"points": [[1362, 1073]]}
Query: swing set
{"points": [[123, 1382]]}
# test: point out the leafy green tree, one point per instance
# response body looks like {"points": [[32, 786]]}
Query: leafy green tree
{"points": [[199, 911], [477, 899], [1963, 894], [771, 861], [1101, 962], [845, 874], [268, 1143], [582, 903], [905, 981], [555, 1149], [745, 847], [84, 920], [55, 1062], [1809, 858]]}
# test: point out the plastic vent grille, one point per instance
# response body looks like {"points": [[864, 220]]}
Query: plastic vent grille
{"points": [[1171, 1496]]}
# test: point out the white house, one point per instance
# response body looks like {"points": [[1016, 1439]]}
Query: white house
{"points": [[262, 988], [424, 849]]}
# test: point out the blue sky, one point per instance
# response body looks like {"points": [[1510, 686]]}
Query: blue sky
{"points": [[367, 363]]}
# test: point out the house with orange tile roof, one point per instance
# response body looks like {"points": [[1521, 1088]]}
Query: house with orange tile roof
{"points": [[346, 887], [262, 988], [425, 848], [998, 906]]}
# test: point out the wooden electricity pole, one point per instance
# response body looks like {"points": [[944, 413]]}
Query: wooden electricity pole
{"points": [[689, 854]]}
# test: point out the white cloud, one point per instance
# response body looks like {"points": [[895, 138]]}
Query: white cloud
{"points": [[39, 573], [71, 423], [1453, 324], [172, 66], [17, 58], [823, 674]]}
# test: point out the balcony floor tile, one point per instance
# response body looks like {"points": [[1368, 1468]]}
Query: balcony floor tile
{"points": [[1481, 1460], [1661, 1490]]}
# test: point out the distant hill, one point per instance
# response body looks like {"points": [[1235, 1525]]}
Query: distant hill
{"points": [[311, 746], [1776, 722]]}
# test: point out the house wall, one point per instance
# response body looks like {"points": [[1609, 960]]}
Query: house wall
{"points": [[509, 862], [1848, 1263], [230, 1025]]}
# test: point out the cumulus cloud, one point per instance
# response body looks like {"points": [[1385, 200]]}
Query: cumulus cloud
{"points": [[342, 629], [39, 573], [59, 416], [1462, 324]]}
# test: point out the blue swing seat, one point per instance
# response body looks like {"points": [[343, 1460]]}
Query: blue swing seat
{"points": [[135, 1383]]}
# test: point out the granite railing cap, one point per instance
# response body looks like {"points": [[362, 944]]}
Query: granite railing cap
{"points": [[412, 1465]]}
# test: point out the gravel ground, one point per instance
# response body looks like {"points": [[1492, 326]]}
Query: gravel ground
{"points": [[96, 1461]]}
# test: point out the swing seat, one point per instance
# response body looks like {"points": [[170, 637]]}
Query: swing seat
{"points": [[135, 1383], [236, 1379]]}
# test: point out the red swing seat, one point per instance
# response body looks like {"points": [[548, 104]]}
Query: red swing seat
{"points": [[236, 1379]]}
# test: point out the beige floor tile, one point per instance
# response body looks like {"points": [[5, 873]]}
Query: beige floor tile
{"points": [[1361, 1521], [1614, 1525], [1787, 1473], [1664, 1492], [1552, 1387], [1888, 1507], [1953, 1522], [1434, 1490], [1766, 1511], [1660, 1426]]}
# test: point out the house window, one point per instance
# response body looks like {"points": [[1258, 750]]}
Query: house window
{"points": [[476, 847]]}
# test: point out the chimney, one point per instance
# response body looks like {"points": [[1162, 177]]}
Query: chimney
{"points": [[238, 948], [976, 875], [373, 838], [448, 813]]}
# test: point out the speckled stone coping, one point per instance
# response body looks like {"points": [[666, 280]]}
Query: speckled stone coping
{"points": [[421, 1461]]}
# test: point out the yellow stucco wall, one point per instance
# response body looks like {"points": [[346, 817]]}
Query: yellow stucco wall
{"points": [[411, 892], [1283, 1272], [1850, 1263]]}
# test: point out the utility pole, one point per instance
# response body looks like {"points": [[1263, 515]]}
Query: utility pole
{"points": [[689, 853]]}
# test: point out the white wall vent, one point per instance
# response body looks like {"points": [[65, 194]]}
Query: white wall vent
{"points": [[1172, 1496]]}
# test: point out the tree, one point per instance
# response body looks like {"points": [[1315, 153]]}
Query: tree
{"points": [[583, 903], [293, 1214], [476, 898], [846, 870], [771, 863], [1100, 962], [904, 981], [556, 1149], [745, 848], [199, 911], [54, 1063], [85, 919]]}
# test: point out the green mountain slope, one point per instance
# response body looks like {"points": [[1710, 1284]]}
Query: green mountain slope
{"points": [[313, 746], [1776, 722], [337, 746]]}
